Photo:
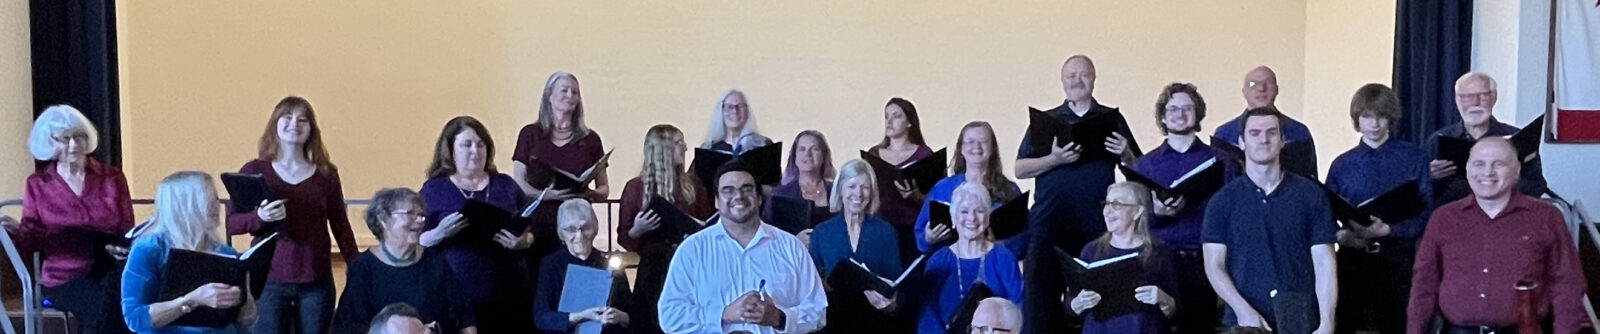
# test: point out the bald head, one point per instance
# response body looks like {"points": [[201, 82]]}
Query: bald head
{"points": [[1260, 87], [1077, 78], [998, 313], [1493, 168]]}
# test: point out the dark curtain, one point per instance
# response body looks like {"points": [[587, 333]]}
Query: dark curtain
{"points": [[75, 63], [1432, 47]]}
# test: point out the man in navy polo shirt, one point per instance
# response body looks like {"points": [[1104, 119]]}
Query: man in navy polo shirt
{"points": [[1268, 239]]}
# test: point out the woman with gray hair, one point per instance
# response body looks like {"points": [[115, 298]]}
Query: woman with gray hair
{"points": [[577, 228], [185, 218], [975, 258], [400, 270], [1128, 208], [73, 211], [733, 127]]}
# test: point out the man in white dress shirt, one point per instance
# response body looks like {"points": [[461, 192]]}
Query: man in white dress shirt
{"points": [[741, 275]]}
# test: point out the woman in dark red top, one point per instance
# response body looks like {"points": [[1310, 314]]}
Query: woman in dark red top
{"points": [[663, 176], [310, 201], [902, 146], [74, 211], [559, 140]]}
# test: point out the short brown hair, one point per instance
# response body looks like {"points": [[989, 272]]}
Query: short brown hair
{"points": [[444, 152], [1166, 96], [1374, 100]]}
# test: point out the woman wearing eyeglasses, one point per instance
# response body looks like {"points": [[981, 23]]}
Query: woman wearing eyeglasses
{"points": [[577, 227], [1127, 210], [400, 270]]}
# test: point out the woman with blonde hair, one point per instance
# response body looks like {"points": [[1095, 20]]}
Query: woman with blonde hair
{"points": [[858, 235], [185, 218], [661, 177], [293, 161]]}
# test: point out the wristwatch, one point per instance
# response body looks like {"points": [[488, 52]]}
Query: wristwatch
{"points": [[183, 306]]}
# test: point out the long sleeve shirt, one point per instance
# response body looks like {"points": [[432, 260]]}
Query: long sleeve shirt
{"points": [[711, 270], [1365, 172], [942, 192], [553, 280], [312, 208], [1469, 264], [427, 285], [893, 208], [71, 230], [951, 277], [1164, 164], [141, 286]]}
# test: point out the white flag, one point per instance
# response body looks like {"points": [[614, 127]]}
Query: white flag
{"points": [[1577, 77]]}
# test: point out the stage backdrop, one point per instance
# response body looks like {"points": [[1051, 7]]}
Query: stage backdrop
{"points": [[200, 78]]}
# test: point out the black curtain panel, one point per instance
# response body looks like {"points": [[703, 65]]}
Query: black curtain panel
{"points": [[75, 62], [1432, 47]]}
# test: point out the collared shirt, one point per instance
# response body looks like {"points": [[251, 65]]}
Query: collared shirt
{"points": [[70, 230], [1165, 164], [1294, 131], [1364, 172], [1269, 235], [1468, 265], [1069, 195], [711, 270], [1455, 187]]}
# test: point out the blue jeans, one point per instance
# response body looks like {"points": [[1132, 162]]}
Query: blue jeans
{"points": [[281, 304]]}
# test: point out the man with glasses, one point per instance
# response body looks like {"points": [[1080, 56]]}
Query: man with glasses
{"points": [[1261, 91], [996, 315], [1268, 239], [1177, 221], [1475, 97], [740, 274]]}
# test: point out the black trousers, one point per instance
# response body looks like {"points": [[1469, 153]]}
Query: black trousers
{"points": [[1375, 286], [1199, 310], [94, 301]]}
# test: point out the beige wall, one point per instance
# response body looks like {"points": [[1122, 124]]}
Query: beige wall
{"points": [[200, 78], [16, 100]]}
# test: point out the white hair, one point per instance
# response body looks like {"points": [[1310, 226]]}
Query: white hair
{"points": [[716, 132], [57, 119], [969, 192], [573, 211], [186, 211], [1465, 78], [1010, 314]]}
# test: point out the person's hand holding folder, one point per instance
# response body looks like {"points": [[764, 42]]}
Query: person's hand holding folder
{"points": [[880, 302], [1064, 154], [1117, 145], [1085, 300], [1170, 206], [216, 295], [938, 234], [1150, 294], [513, 241], [448, 227], [271, 211], [644, 222], [1441, 169]]}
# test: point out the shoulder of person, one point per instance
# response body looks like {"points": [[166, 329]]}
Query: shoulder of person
{"points": [[255, 166], [434, 182]]}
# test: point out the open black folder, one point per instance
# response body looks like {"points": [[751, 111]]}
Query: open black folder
{"points": [[1113, 278], [924, 173], [767, 160], [854, 276], [675, 224], [484, 220], [187, 270], [542, 173], [1457, 150], [1197, 183], [1394, 205], [1006, 220], [1296, 156], [791, 214], [245, 191], [1089, 133]]}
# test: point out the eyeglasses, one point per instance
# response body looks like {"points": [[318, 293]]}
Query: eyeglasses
{"points": [[987, 330], [79, 137], [1260, 85], [1118, 205], [1180, 109], [414, 215], [748, 190], [1475, 97]]}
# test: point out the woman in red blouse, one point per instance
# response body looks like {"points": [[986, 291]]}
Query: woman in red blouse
{"points": [[662, 176], [309, 201], [558, 140], [74, 212]]}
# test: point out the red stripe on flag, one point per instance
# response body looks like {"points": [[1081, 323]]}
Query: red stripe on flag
{"points": [[1577, 125]]}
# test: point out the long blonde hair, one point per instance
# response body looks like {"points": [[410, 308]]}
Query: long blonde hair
{"points": [[660, 174], [853, 169], [186, 211], [547, 116]]}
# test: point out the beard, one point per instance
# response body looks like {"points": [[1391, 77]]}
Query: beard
{"points": [[1184, 131]]}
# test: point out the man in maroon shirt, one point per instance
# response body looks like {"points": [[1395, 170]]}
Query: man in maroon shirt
{"points": [[1478, 250]]}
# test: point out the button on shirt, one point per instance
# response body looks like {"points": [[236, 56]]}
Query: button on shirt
{"points": [[710, 270], [1269, 235], [1364, 172], [1468, 265]]}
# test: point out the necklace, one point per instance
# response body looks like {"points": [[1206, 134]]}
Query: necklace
{"points": [[469, 194], [398, 261], [960, 285]]}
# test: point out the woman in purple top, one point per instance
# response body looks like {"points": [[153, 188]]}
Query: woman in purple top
{"points": [[1127, 209], [807, 177], [462, 170], [310, 201], [902, 146]]}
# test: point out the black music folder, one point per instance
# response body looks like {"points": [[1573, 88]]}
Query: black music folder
{"points": [[484, 220], [1089, 133], [854, 276], [924, 173], [791, 214], [1113, 278], [187, 270], [767, 160], [1457, 150], [1296, 156], [1007, 220], [542, 173], [1196, 184], [675, 224], [1394, 205], [246, 191]]}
